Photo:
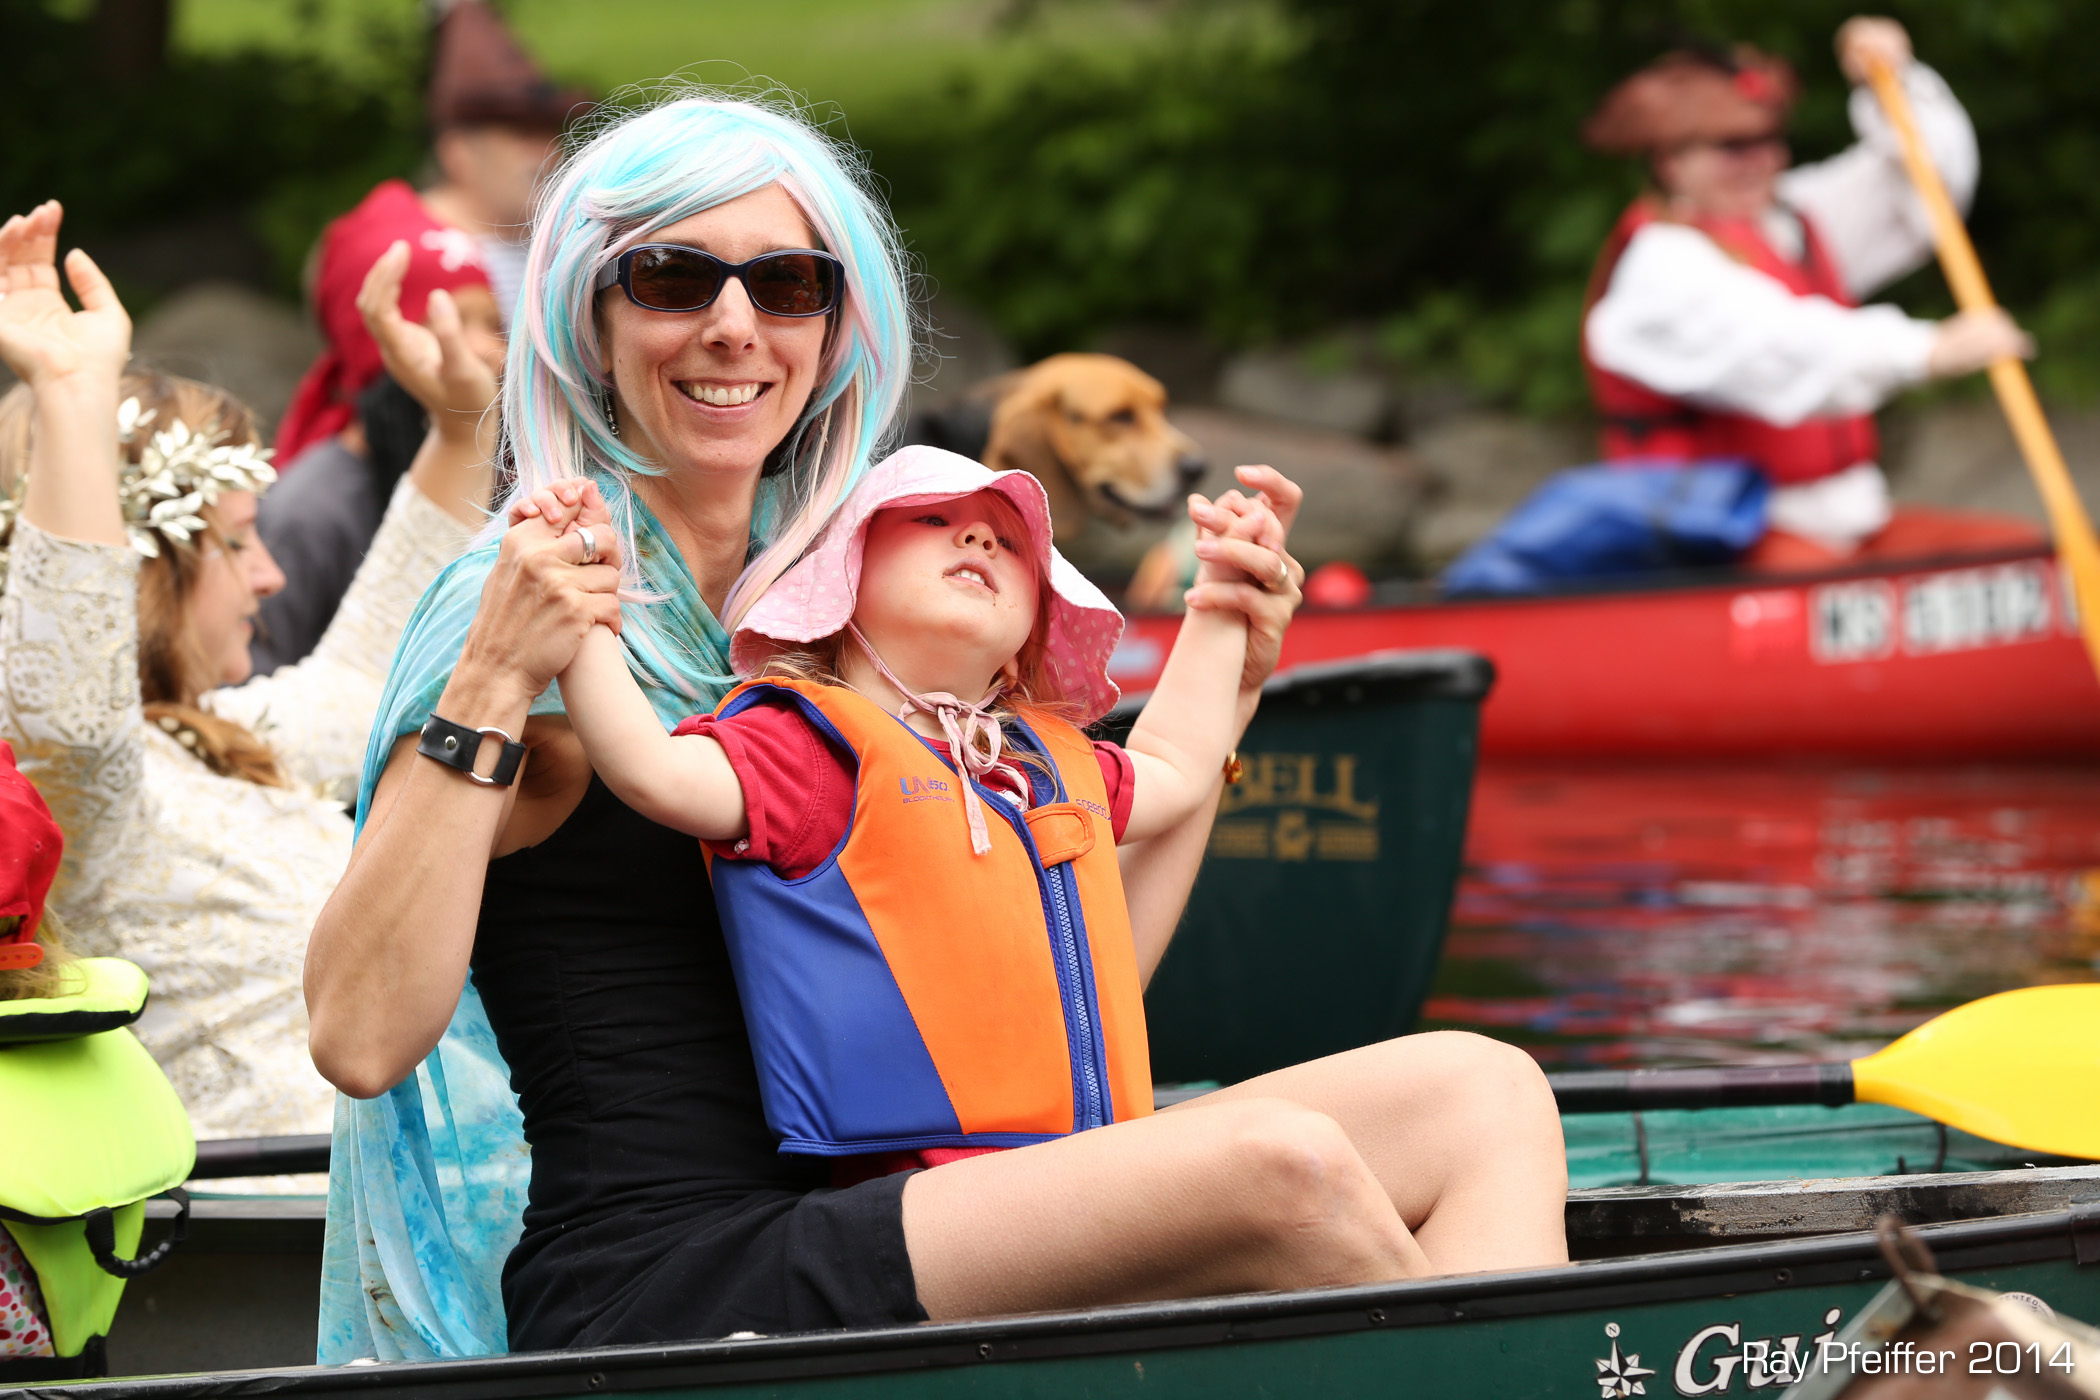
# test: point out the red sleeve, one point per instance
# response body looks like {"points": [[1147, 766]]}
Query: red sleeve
{"points": [[798, 785], [1121, 777]]}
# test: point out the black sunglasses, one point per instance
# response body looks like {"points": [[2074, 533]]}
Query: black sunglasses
{"points": [[1748, 145], [673, 277]]}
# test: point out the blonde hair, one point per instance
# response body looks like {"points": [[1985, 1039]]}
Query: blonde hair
{"points": [[49, 978], [174, 669]]}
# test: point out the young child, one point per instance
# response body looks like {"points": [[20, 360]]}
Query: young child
{"points": [[90, 1122], [911, 841], [30, 849]]}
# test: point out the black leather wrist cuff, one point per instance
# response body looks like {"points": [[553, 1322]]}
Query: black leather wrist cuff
{"points": [[457, 746]]}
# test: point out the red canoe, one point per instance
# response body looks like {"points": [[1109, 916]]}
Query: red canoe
{"points": [[1976, 658]]}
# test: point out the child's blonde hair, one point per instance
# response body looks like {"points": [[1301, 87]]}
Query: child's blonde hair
{"points": [[49, 977]]}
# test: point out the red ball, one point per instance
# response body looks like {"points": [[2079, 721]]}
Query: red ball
{"points": [[1337, 585]]}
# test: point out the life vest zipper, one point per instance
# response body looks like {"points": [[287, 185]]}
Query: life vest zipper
{"points": [[1082, 1038], [1080, 1020]]}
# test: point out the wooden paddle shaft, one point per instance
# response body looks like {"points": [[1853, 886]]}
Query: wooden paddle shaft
{"points": [[1625, 1091], [2073, 531]]}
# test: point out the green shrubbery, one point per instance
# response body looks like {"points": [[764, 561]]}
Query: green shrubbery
{"points": [[1087, 195], [1408, 164], [285, 142], [1414, 162]]}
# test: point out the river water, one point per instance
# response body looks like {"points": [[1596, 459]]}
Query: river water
{"points": [[1750, 915]]}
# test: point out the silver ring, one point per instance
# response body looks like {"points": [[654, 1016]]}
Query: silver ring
{"points": [[590, 545]]}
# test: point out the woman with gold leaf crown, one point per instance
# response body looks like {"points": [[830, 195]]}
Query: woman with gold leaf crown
{"points": [[203, 817]]}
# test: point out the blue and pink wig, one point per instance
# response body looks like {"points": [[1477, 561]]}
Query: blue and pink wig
{"points": [[638, 174]]}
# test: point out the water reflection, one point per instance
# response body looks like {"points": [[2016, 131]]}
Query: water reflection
{"points": [[1744, 915]]}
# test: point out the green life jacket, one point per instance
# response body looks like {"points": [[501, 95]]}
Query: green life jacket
{"points": [[93, 1128]]}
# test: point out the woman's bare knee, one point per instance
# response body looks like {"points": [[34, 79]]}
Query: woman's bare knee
{"points": [[1302, 1199], [1493, 1196], [1499, 1082]]}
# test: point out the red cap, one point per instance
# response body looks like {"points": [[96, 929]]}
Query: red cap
{"points": [[30, 847], [481, 76], [439, 256], [1337, 584]]}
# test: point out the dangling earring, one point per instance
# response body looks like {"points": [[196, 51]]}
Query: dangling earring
{"points": [[612, 422]]}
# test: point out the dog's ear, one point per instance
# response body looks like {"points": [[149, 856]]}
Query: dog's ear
{"points": [[996, 389], [1023, 438]]}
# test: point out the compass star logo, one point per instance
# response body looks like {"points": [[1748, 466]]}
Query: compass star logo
{"points": [[1620, 1376]]}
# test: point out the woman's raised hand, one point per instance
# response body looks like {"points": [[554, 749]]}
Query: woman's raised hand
{"points": [[42, 339], [433, 361], [1266, 588]]}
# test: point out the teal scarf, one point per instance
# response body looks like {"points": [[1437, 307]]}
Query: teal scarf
{"points": [[427, 1182]]}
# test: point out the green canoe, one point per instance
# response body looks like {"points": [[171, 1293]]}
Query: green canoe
{"points": [[1690, 1320], [1752, 1228], [1341, 846]]}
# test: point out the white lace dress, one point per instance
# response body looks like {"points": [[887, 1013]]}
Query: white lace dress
{"points": [[209, 883]]}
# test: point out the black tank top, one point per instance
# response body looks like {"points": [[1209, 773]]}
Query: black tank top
{"points": [[600, 959]]}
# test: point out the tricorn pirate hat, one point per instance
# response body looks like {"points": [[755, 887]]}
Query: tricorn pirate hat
{"points": [[481, 76], [1686, 97]]}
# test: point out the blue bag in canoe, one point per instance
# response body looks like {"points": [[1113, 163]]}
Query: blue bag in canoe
{"points": [[1613, 521]]}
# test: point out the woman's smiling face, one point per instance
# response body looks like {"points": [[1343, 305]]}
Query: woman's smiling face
{"points": [[715, 390]]}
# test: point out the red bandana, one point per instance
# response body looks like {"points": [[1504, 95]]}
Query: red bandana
{"points": [[439, 256], [30, 845]]}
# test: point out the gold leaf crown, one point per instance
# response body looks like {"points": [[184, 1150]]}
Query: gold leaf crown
{"points": [[178, 475]]}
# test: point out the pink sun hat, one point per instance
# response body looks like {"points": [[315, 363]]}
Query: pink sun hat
{"points": [[816, 597]]}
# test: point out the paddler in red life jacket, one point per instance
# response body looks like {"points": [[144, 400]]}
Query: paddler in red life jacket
{"points": [[1724, 317]]}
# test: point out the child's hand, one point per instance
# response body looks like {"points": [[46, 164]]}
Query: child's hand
{"points": [[569, 507], [1261, 581], [1231, 517], [571, 501]]}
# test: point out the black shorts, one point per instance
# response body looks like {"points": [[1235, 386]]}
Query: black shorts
{"points": [[772, 1262]]}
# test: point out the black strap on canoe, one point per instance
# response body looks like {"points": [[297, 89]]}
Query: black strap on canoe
{"points": [[270, 1156], [102, 1238]]}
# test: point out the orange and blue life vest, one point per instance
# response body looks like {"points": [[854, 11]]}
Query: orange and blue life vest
{"points": [[908, 993]]}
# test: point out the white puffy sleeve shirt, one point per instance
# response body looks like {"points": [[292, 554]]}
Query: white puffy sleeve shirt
{"points": [[1683, 318]]}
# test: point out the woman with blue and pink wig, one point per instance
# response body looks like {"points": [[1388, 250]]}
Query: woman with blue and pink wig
{"points": [[553, 1134]]}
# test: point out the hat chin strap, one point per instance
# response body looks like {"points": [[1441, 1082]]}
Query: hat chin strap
{"points": [[964, 724]]}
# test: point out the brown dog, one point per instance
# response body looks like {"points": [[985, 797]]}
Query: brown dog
{"points": [[1092, 428]]}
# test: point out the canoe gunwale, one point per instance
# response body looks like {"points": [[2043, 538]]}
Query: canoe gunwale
{"points": [[1728, 578], [1636, 1218], [1801, 1208], [1851, 1257], [1425, 594], [1441, 673]]}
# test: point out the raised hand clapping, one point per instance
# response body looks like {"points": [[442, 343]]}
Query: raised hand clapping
{"points": [[42, 339], [438, 362]]}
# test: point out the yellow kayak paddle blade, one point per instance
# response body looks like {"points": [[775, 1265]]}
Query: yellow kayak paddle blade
{"points": [[2020, 1067]]}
